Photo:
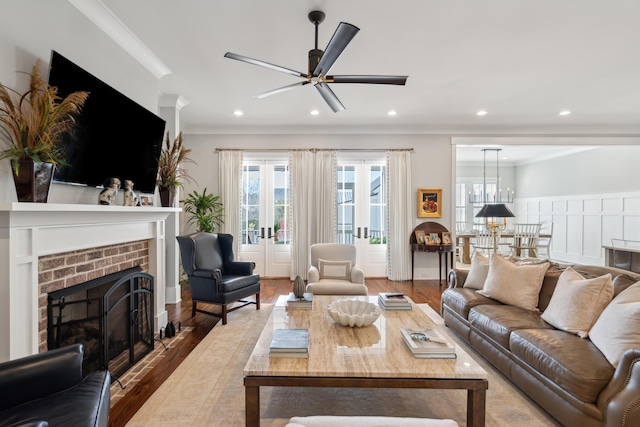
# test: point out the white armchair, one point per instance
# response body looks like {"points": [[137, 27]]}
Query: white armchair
{"points": [[333, 270]]}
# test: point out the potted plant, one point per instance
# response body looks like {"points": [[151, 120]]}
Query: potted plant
{"points": [[276, 228], [170, 172], [204, 210], [31, 127]]}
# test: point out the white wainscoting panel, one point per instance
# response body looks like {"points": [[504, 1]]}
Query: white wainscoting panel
{"points": [[582, 224]]}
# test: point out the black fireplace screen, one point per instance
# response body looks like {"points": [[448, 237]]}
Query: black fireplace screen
{"points": [[112, 316]]}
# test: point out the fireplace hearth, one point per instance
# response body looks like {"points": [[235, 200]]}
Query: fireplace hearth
{"points": [[112, 316]]}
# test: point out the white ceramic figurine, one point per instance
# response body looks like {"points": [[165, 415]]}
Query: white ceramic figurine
{"points": [[108, 195], [130, 197]]}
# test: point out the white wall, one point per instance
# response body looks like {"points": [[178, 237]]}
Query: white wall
{"points": [[431, 167], [29, 30], [590, 197], [601, 170]]}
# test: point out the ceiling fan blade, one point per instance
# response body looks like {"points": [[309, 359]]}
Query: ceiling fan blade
{"points": [[282, 89], [330, 97], [384, 80], [264, 64], [339, 41]]}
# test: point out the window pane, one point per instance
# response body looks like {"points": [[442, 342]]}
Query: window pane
{"points": [[377, 205], [346, 203], [250, 204], [281, 204]]}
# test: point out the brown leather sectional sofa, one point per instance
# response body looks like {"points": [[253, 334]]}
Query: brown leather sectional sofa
{"points": [[565, 374]]}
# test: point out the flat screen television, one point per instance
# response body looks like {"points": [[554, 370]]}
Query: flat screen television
{"points": [[114, 136]]}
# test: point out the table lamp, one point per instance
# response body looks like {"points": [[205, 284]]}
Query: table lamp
{"points": [[491, 212]]}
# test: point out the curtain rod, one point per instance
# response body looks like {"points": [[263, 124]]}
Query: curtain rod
{"points": [[315, 149]]}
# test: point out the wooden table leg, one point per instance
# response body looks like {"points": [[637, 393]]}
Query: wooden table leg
{"points": [[476, 407], [466, 250], [440, 266], [252, 406]]}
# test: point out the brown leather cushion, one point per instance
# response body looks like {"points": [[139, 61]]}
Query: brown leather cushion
{"points": [[549, 285], [622, 282], [573, 363], [461, 300], [497, 321]]}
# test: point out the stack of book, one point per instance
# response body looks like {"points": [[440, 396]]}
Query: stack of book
{"points": [[305, 302], [428, 343], [290, 343], [393, 301]]}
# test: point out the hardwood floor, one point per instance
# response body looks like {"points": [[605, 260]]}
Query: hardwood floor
{"points": [[420, 291]]}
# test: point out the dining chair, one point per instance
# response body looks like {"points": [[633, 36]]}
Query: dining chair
{"points": [[525, 238], [483, 242], [544, 243]]}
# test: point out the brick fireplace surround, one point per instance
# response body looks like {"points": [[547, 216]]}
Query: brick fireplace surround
{"points": [[46, 246], [65, 270]]}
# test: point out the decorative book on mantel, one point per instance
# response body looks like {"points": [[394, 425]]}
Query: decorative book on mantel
{"points": [[428, 343], [290, 343], [305, 302], [393, 301]]}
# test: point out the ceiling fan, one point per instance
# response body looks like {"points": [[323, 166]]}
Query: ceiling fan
{"points": [[320, 63]]}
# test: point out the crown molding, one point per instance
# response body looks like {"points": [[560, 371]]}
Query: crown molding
{"points": [[104, 19]]}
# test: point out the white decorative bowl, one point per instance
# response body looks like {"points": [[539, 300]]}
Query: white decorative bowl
{"points": [[353, 312]]}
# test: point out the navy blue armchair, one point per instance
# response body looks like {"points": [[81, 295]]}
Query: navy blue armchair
{"points": [[214, 276]]}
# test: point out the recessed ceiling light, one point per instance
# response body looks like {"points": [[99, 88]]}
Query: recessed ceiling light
{"points": [[392, 113], [315, 112], [238, 113], [565, 113], [481, 113]]}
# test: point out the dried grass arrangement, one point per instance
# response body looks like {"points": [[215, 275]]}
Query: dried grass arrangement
{"points": [[31, 124], [172, 156]]}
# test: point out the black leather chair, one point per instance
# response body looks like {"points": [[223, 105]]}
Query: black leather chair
{"points": [[214, 277], [47, 389]]}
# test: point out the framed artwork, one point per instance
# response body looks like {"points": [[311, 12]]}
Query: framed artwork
{"points": [[146, 200], [434, 239], [446, 238], [420, 237], [429, 202]]}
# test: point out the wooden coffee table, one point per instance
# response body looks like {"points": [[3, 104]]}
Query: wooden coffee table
{"points": [[370, 357]]}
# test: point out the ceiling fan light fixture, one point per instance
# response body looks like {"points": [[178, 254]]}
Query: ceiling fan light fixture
{"points": [[320, 63]]}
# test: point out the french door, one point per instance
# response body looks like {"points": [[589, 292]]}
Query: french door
{"points": [[265, 217], [362, 212]]}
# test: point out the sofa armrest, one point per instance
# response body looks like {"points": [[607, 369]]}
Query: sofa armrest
{"points": [[39, 375], [357, 275], [457, 277], [313, 275], [620, 399]]}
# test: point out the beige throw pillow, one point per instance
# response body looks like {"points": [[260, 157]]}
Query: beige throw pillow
{"points": [[478, 272], [337, 270], [577, 302], [618, 327], [517, 285]]}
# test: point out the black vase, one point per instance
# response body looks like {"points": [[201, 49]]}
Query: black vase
{"points": [[33, 181], [166, 196]]}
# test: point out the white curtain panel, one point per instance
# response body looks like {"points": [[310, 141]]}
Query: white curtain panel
{"points": [[325, 196], [399, 199], [230, 182], [301, 174], [313, 204]]}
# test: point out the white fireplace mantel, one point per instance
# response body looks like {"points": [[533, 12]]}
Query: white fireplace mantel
{"points": [[30, 230]]}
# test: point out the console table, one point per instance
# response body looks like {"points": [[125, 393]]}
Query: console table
{"points": [[446, 249]]}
